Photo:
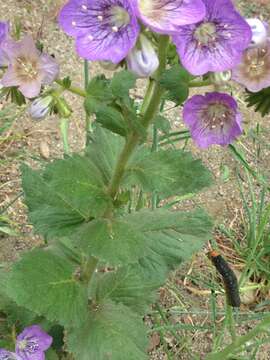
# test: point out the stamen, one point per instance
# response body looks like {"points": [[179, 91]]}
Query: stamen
{"points": [[100, 17], [84, 7], [74, 23], [115, 29]]}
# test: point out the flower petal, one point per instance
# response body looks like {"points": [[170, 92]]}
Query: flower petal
{"points": [[49, 68], [165, 16]]}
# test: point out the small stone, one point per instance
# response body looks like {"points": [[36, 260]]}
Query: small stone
{"points": [[44, 150]]}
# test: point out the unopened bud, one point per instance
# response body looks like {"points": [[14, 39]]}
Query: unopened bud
{"points": [[142, 60], [40, 107], [259, 31], [221, 78]]}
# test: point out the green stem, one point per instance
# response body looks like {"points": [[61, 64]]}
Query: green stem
{"points": [[199, 83], [88, 124], [64, 125], [148, 111], [73, 89], [263, 327]]}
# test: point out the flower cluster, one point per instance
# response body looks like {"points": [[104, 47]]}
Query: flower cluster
{"points": [[211, 38], [31, 344]]}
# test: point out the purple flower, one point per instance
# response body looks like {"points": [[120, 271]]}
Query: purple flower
{"points": [[7, 355], [32, 342], [165, 16], [28, 68], [254, 70], [142, 60], [4, 31], [212, 119], [217, 42], [104, 29]]}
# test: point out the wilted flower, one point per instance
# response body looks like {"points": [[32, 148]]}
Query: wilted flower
{"points": [[4, 31], [104, 30], [254, 70], [165, 16], [142, 60], [259, 31], [212, 119], [28, 68], [40, 107], [32, 342], [217, 42], [7, 355]]}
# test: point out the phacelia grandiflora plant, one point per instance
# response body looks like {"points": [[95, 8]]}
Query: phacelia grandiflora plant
{"points": [[110, 236]]}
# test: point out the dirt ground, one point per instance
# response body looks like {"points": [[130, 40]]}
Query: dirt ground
{"points": [[27, 141]]}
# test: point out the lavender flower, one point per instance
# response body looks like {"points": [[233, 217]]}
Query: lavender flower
{"points": [[254, 70], [4, 31], [212, 119], [259, 31], [165, 16], [7, 355], [28, 68], [217, 42], [32, 343], [142, 60], [104, 30]]}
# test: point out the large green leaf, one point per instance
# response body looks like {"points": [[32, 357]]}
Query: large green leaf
{"points": [[112, 119], [130, 285], [67, 193], [46, 284], [175, 80], [169, 172], [122, 82], [98, 94], [126, 239], [104, 150], [111, 332]]}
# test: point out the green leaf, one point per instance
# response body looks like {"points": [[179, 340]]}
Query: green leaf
{"points": [[110, 332], [260, 101], [169, 172], [175, 80], [51, 355], [122, 82], [104, 150], [46, 284], [63, 196], [126, 239], [112, 120], [131, 285], [162, 124], [98, 94]]}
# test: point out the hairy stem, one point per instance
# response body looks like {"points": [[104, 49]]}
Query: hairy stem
{"points": [[73, 89], [88, 124], [148, 111], [88, 269]]}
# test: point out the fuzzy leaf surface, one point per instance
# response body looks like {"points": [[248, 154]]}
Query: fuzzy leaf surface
{"points": [[45, 284], [169, 172], [122, 82], [112, 331], [63, 196], [168, 237]]}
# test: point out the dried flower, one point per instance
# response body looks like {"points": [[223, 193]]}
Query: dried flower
{"points": [[32, 342], [142, 60], [28, 68], [216, 43], [165, 16], [212, 119], [104, 30], [254, 70]]}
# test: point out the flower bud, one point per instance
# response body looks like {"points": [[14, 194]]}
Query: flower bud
{"points": [[259, 31], [221, 78], [40, 107], [142, 59]]}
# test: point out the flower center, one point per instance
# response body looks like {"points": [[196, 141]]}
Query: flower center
{"points": [[29, 346], [205, 33], [257, 61], [216, 115], [119, 16], [26, 68]]}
